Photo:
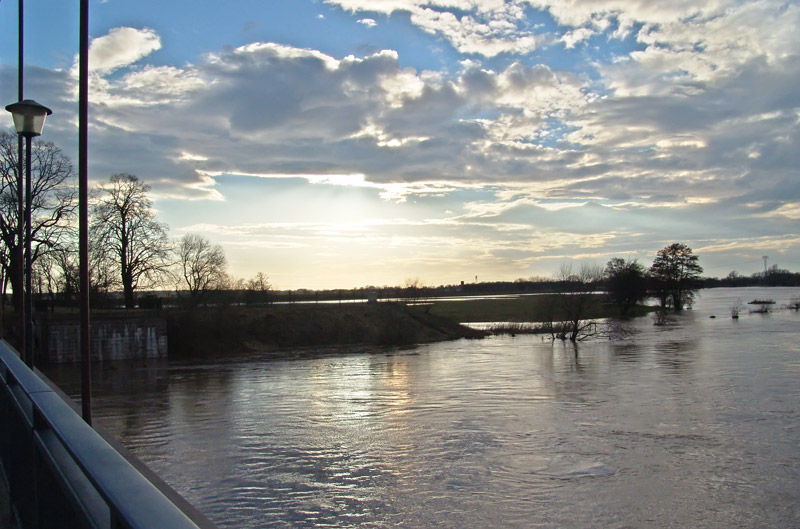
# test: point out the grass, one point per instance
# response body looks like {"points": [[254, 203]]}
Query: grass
{"points": [[530, 308], [282, 327]]}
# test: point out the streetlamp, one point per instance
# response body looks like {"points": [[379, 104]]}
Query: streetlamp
{"points": [[29, 119]]}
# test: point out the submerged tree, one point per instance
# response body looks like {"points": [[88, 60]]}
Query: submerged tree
{"points": [[675, 274], [575, 302], [736, 308], [626, 283], [128, 236]]}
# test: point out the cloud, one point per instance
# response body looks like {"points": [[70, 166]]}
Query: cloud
{"points": [[369, 22], [485, 33], [121, 47], [690, 127], [267, 107], [573, 38], [486, 28]]}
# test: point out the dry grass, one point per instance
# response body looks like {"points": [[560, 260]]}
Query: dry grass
{"points": [[530, 308]]}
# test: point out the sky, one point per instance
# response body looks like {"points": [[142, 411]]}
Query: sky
{"points": [[347, 143]]}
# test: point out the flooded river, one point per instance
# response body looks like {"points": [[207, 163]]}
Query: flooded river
{"points": [[696, 424]]}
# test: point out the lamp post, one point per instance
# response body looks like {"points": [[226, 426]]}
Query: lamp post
{"points": [[29, 119], [83, 210]]}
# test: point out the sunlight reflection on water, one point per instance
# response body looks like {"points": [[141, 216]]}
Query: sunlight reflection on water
{"points": [[695, 424]]}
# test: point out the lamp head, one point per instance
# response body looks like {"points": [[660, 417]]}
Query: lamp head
{"points": [[28, 117]]}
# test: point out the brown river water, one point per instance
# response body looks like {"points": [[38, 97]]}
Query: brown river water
{"points": [[695, 424]]}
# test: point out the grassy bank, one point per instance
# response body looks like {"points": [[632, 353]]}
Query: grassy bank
{"points": [[527, 309], [216, 331]]}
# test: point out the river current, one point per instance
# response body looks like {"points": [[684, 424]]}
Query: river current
{"points": [[694, 424]]}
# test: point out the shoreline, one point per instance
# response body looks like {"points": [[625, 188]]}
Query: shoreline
{"points": [[233, 330]]}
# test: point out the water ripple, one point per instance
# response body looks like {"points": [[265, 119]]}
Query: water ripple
{"points": [[695, 425]]}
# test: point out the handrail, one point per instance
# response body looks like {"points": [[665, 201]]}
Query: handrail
{"points": [[71, 470]]}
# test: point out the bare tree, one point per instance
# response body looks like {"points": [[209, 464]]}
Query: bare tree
{"points": [[736, 308], [202, 264], [103, 273], [412, 289], [259, 283], [66, 262], [53, 199], [128, 236], [576, 300], [259, 287]]}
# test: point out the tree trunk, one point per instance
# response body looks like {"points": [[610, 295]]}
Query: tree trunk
{"points": [[17, 280], [677, 301], [127, 288], [573, 337], [130, 300]]}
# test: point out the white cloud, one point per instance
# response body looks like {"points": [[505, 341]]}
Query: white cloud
{"points": [[488, 34], [163, 80], [627, 13], [262, 107], [369, 22], [251, 55], [573, 38], [702, 118], [120, 47], [490, 28], [192, 157], [377, 6]]}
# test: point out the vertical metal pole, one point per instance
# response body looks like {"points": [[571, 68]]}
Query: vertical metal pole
{"points": [[20, 35], [20, 48], [20, 251], [2, 298], [83, 211], [28, 290], [23, 346]]}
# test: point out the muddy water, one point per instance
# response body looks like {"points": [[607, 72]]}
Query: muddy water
{"points": [[696, 424]]}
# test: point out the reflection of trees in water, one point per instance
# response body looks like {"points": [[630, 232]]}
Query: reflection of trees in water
{"points": [[565, 356], [128, 398], [572, 370], [132, 399]]}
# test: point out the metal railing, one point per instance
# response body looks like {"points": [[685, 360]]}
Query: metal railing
{"points": [[61, 472]]}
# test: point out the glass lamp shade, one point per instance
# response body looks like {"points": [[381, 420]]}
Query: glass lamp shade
{"points": [[28, 117]]}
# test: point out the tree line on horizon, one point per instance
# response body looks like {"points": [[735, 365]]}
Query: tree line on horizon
{"points": [[131, 252]]}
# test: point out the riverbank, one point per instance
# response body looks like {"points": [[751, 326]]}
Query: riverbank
{"points": [[213, 331], [540, 308], [222, 329]]}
